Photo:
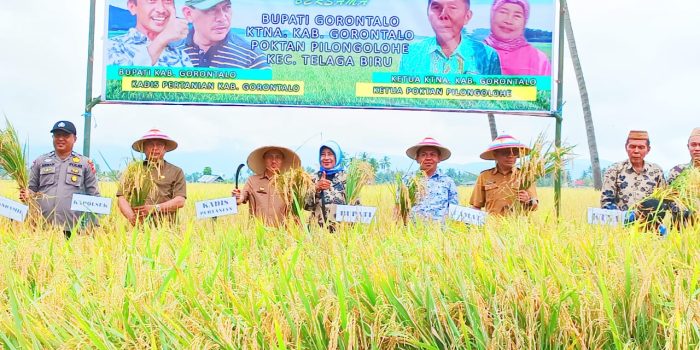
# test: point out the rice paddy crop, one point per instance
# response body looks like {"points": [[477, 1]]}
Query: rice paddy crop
{"points": [[527, 282]]}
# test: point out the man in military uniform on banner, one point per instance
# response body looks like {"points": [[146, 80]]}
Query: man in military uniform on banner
{"points": [[56, 176]]}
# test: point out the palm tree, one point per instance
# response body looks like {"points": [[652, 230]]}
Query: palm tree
{"points": [[385, 163], [492, 125], [587, 115]]}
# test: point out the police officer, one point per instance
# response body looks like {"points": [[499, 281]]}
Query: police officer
{"points": [[56, 176]]}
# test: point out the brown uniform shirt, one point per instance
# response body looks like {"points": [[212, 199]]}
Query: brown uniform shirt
{"points": [[265, 202], [170, 183], [497, 192]]}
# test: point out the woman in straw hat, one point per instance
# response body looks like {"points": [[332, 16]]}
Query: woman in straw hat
{"points": [[265, 202], [329, 186], [170, 193], [497, 189], [440, 190]]}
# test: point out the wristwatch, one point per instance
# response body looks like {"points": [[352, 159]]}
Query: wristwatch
{"points": [[157, 208]]}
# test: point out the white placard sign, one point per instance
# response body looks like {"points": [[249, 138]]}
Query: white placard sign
{"points": [[597, 216], [216, 207], [467, 215], [91, 204], [354, 213], [13, 210]]}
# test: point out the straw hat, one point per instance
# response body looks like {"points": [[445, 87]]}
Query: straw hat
{"points": [[429, 142], [154, 134], [256, 162], [505, 142]]}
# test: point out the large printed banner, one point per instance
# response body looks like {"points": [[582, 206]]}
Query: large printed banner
{"points": [[461, 55]]}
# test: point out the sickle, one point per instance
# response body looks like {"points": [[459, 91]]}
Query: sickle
{"points": [[238, 172]]}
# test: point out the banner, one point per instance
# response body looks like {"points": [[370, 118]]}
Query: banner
{"points": [[452, 55]]}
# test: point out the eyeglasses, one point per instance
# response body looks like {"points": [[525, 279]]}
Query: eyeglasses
{"points": [[62, 135]]}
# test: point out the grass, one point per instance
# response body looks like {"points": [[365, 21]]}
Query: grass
{"points": [[518, 283]]}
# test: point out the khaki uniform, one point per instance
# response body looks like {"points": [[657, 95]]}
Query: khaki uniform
{"points": [[265, 202], [170, 183], [497, 192], [623, 187], [56, 181]]}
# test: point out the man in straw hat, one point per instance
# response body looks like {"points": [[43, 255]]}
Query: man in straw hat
{"points": [[629, 182], [694, 150], [498, 189], [170, 193], [56, 176], [265, 202], [440, 190]]}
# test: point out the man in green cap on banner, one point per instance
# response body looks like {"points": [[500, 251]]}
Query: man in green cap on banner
{"points": [[210, 42]]}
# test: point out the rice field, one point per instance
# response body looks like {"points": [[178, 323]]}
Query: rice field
{"points": [[519, 283]]}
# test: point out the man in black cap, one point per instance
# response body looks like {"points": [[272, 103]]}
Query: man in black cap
{"points": [[56, 176]]}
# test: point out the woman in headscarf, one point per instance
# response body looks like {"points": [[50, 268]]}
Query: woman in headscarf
{"points": [[517, 56], [330, 186]]}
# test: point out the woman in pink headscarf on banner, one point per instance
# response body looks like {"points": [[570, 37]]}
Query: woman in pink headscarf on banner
{"points": [[517, 56]]}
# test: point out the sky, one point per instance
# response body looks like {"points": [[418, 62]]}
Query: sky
{"points": [[639, 61]]}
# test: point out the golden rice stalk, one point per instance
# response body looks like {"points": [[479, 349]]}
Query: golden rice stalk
{"points": [[408, 192], [684, 191], [13, 161], [13, 156], [294, 185], [137, 182], [544, 159], [359, 174]]}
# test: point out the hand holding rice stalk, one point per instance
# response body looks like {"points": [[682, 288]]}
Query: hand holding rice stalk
{"points": [[408, 193], [294, 185], [543, 160], [684, 191], [137, 182], [359, 174]]}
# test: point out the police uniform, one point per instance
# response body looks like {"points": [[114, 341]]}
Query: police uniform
{"points": [[56, 181]]}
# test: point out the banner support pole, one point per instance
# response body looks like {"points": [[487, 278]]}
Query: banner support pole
{"points": [[558, 115], [90, 102]]}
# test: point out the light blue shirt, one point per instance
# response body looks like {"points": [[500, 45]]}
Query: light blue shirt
{"points": [[440, 192], [131, 49], [470, 57]]}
